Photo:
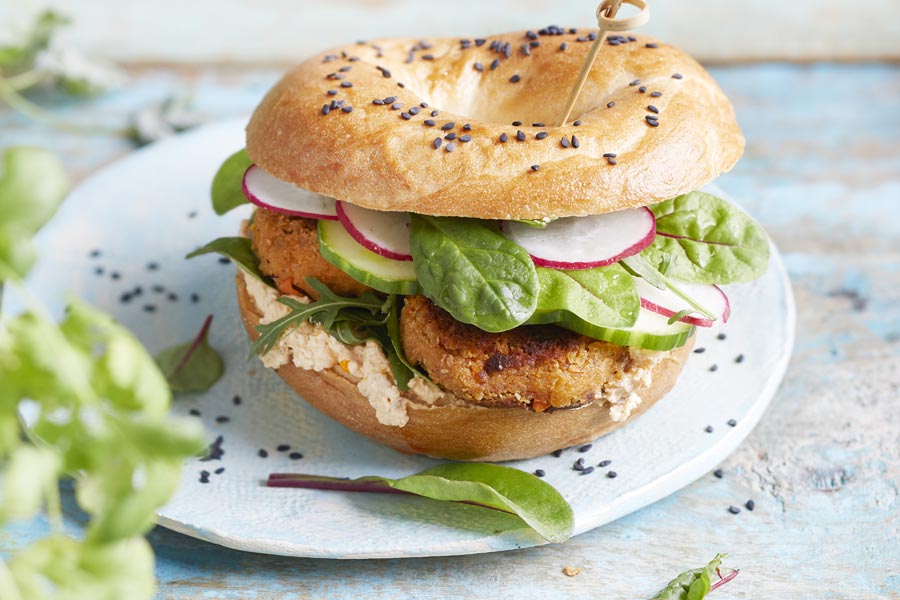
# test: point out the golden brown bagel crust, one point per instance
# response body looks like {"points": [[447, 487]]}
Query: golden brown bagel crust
{"points": [[375, 158], [463, 431]]}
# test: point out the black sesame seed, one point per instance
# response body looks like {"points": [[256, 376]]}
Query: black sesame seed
{"points": [[224, 260], [467, 127], [531, 35], [390, 99], [578, 465], [415, 110], [655, 94], [557, 453], [504, 138], [283, 447], [450, 147], [478, 67], [195, 298], [611, 161], [652, 109], [99, 271], [125, 298], [115, 275], [450, 136], [520, 135], [437, 143], [423, 104], [699, 350], [592, 36], [677, 76], [465, 138], [642, 89], [219, 471], [719, 473], [480, 41], [435, 113], [158, 289], [344, 69], [346, 84], [406, 116], [465, 44], [739, 358], [564, 142], [149, 308], [732, 423], [495, 63], [721, 336], [378, 101], [575, 142], [541, 135], [651, 45], [734, 510], [236, 400], [612, 474], [585, 448], [448, 126], [564, 46], [347, 109], [635, 82], [397, 105], [137, 291], [517, 123], [353, 59], [204, 476], [95, 253], [172, 297], [262, 453], [750, 504], [430, 122], [577, 123], [295, 456], [610, 155], [428, 57], [709, 429], [515, 79], [652, 122], [525, 49], [223, 419], [539, 473], [192, 214], [610, 104], [587, 470], [537, 124], [713, 368], [152, 266], [384, 72], [604, 463], [535, 167], [194, 412]]}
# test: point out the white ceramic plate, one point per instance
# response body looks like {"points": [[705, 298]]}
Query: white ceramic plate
{"points": [[144, 213]]}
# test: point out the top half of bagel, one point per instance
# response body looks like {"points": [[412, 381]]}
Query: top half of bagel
{"points": [[469, 128]]}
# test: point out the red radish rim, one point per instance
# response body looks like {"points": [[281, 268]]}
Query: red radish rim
{"points": [[699, 321], [285, 211], [580, 266], [362, 240]]}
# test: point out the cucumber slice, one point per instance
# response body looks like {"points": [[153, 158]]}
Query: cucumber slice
{"points": [[650, 331], [381, 273]]}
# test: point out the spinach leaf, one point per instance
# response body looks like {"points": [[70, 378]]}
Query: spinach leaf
{"points": [[193, 366], [240, 250], [705, 239], [696, 583], [604, 296], [227, 186], [32, 186], [510, 490], [473, 271]]}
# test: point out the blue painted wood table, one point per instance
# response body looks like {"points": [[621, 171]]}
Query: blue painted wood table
{"points": [[822, 173]]}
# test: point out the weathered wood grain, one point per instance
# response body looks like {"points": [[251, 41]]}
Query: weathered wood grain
{"points": [[286, 30], [822, 173]]}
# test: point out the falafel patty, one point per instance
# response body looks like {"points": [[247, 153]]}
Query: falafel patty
{"points": [[536, 367]]}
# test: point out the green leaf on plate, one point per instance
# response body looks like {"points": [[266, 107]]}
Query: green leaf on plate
{"points": [[193, 366], [694, 584], [227, 186], [604, 296]]}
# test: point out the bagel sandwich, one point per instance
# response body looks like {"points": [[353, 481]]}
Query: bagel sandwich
{"points": [[436, 263]]}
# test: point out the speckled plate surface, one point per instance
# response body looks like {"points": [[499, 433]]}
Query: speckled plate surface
{"points": [[144, 213]]}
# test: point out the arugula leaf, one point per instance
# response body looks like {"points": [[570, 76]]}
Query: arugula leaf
{"points": [[696, 583], [473, 271], [509, 490], [16, 58], [703, 238], [350, 320], [240, 250], [33, 183], [604, 296], [193, 366], [227, 186]]}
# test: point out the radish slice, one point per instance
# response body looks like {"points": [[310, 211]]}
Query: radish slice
{"points": [[271, 193], [585, 242], [667, 303], [384, 233]]}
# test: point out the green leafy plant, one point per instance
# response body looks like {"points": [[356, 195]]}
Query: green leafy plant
{"points": [[697, 583], [83, 398], [703, 238], [534, 501], [473, 271], [227, 186], [193, 366], [240, 251], [604, 296]]}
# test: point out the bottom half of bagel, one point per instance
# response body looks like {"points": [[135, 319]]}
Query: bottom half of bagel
{"points": [[488, 397]]}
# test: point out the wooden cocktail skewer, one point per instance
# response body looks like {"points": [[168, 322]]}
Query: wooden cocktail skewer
{"points": [[606, 20]]}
